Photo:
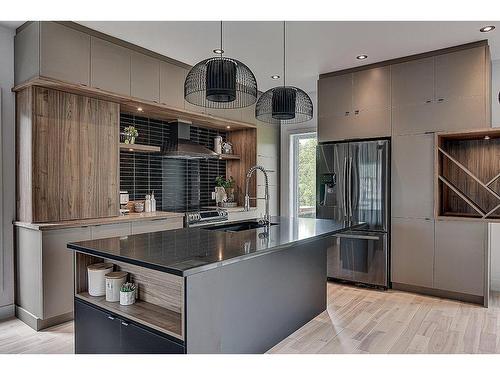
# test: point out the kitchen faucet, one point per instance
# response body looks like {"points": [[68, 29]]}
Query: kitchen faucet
{"points": [[267, 217]]}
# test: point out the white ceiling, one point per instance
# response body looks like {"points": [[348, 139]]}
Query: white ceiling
{"points": [[312, 47]]}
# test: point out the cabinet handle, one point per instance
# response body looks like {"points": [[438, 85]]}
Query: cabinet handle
{"points": [[428, 101], [347, 113], [124, 324], [356, 111], [111, 317], [441, 100]]}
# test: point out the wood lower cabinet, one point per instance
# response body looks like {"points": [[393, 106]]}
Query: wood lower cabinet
{"points": [[98, 331], [68, 156], [412, 251], [459, 263]]}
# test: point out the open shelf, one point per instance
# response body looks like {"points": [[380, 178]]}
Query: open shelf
{"points": [[139, 148], [229, 157], [148, 314]]}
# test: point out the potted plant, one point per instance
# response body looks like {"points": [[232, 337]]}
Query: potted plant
{"points": [[131, 134], [227, 186], [127, 294]]}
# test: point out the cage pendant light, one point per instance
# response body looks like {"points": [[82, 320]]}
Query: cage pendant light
{"points": [[284, 104], [220, 82]]}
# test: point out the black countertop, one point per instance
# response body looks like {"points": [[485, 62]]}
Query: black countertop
{"points": [[191, 250]]}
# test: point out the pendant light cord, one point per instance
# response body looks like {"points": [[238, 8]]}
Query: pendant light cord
{"points": [[222, 50], [284, 53]]}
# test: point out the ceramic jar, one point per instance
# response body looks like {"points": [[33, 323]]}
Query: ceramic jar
{"points": [[96, 280], [114, 281], [127, 298]]}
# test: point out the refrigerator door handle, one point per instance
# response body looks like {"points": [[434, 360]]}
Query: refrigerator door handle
{"points": [[349, 187], [344, 174], [358, 237]]}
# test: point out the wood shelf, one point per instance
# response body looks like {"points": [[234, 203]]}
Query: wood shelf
{"points": [[139, 148], [229, 157], [148, 314]]}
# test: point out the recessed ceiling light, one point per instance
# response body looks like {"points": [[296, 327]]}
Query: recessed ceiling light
{"points": [[275, 76], [218, 51], [362, 57], [139, 109], [487, 29], [228, 127], [486, 137]]}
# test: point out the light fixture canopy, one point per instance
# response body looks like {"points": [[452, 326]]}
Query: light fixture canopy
{"points": [[362, 57], [220, 82], [487, 29], [284, 104]]}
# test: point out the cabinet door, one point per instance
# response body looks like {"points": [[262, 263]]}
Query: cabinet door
{"points": [[460, 256], [412, 176], [46, 158], [335, 95], [248, 114], [412, 251], [110, 67], [412, 82], [461, 74], [89, 157], [137, 340], [172, 84], [336, 128], [69, 180], [230, 114], [27, 53], [96, 331], [157, 225], [64, 53], [108, 143], [145, 77], [110, 230], [372, 89], [57, 269]]}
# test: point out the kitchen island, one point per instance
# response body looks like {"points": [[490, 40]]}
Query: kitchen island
{"points": [[230, 288]]}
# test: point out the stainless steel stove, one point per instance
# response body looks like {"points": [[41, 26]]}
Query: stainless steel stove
{"points": [[204, 216]]}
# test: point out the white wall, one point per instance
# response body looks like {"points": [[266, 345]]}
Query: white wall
{"points": [[7, 173], [286, 132]]}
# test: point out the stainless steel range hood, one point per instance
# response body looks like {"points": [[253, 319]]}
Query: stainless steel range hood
{"points": [[180, 145]]}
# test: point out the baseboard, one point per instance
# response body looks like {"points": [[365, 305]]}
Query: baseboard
{"points": [[7, 312], [38, 324], [439, 293]]}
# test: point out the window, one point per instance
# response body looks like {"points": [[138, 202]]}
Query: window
{"points": [[303, 174]]}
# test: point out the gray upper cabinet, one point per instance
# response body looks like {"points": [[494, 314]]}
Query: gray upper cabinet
{"points": [[27, 53], [172, 84], [412, 251], [110, 67], [353, 106], [442, 93], [64, 53], [460, 256], [230, 114], [248, 115], [412, 172], [145, 77]]}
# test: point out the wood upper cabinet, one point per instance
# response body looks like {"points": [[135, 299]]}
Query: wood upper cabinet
{"points": [[460, 256], [172, 84], [110, 66], [412, 251], [64, 53], [442, 93], [68, 147], [355, 105], [412, 176], [145, 77]]}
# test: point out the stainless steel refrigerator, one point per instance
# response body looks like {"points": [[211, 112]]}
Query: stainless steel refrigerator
{"points": [[353, 180]]}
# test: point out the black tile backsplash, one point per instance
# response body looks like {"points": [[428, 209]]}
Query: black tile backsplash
{"points": [[178, 184]]}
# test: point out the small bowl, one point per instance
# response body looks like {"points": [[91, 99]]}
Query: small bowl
{"points": [[139, 207]]}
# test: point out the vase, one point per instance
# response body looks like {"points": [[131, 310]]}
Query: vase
{"points": [[127, 298], [230, 194]]}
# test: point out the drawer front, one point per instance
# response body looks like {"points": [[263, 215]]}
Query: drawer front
{"points": [[137, 340], [157, 225], [110, 230]]}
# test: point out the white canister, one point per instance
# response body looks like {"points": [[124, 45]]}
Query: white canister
{"points": [[114, 281], [96, 281], [218, 144], [127, 298]]}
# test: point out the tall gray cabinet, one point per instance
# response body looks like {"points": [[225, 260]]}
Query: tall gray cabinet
{"points": [[410, 99]]}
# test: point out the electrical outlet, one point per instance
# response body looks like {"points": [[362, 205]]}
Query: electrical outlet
{"points": [[213, 194]]}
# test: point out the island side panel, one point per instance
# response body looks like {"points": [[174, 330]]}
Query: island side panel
{"points": [[251, 305]]}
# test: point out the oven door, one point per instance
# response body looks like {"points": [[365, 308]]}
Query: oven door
{"points": [[360, 257]]}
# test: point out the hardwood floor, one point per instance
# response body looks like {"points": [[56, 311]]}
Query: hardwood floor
{"points": [[357, 321]]}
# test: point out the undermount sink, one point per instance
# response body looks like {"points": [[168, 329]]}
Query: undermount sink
{"points": [[238, 227]]}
